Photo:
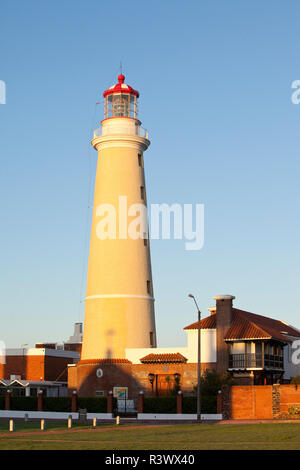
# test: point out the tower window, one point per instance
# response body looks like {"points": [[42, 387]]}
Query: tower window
{"points": [[149, 287], [143, 192], [146, 241], [151, 338], [140, 160]]}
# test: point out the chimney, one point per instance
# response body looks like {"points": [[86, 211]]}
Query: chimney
{"points": [[223, 319]]}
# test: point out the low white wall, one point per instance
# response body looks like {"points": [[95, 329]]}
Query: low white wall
{"points": [[37, 414], [50, 415], [173, 416], [99, 416]]}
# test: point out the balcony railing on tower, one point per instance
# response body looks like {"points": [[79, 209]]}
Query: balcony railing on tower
{"points": [[136, 130]]}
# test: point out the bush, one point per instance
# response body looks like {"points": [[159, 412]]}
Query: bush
{"points": [[62, 404], [211, 382], [2, 402], [58, 404], [208, 404], [93, 404], [23, 403], [160, 404]]}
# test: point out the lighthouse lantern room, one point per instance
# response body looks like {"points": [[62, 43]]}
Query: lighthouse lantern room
{"points": [[120, 100]]}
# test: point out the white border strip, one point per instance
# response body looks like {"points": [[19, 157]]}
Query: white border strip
{"points": [[112, 296], [51, 415], [179, 416]]}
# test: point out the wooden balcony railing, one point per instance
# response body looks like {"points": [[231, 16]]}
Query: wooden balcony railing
{"points": [[255, 361]]}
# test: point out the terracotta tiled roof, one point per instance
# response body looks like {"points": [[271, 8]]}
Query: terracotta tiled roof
{"points": [[206, 323], [158, 358], [248, 325]]}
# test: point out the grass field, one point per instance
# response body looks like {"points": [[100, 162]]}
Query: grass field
{"points": [[273, 436]]}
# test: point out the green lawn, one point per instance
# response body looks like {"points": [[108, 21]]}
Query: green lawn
{"points": [[190, 437], [22, 426]]}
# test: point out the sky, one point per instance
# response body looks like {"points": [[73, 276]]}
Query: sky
{"points": [[215, 95]]}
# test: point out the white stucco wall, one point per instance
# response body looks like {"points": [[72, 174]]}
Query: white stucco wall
{"points": [[208, 348]]}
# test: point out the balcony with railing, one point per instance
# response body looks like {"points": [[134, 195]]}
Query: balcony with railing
{"points": [[128, 130], [255, 361]]}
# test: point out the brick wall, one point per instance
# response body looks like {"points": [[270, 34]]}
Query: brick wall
{"points": [[28, 367], [260, 402], [289, 396], [83, 377], [188, 375], [251, 402], [35, 367], [56, 368]]}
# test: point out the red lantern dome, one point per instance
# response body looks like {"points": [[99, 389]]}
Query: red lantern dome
{"points": [[120, 100]]}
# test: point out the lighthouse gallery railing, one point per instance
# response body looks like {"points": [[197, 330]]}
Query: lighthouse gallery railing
{"points": [[138, 130]]}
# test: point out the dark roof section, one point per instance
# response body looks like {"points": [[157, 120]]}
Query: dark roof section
{"points": [[163, 358], [247, 325]]}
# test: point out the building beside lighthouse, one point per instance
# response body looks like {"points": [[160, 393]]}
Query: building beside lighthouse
{"points": [[119, 346]]}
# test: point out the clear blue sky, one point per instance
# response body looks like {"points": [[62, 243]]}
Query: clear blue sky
{"points": [[215, 94]]}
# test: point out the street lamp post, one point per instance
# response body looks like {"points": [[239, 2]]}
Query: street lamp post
{"points": [[199, 362], [24, 362]]}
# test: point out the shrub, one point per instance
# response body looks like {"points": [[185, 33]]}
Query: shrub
{"points": [[62, 404], [296, 380], [211, 382], [208, 404], [160, 404], [2, 402], [23, 403], [93, 404]]}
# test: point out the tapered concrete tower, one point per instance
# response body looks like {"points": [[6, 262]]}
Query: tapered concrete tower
{"points": [[119, 305]]}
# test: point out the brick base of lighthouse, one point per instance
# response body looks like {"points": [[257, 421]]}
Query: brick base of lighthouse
{"points": [[90, 377]]}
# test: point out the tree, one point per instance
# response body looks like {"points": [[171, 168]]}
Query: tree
{"points": [[212, 381]]}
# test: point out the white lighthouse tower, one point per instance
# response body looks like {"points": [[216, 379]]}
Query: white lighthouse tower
{"points": [[119, 304]]}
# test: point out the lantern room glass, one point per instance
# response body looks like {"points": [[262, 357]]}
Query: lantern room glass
{"points": [[120, 105]]}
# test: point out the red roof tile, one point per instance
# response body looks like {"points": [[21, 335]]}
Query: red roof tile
{"points": [[159, 358], [206, 323], [247, 325]]}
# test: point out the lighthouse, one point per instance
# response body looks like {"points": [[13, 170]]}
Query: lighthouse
{"points": [[119, 303]]}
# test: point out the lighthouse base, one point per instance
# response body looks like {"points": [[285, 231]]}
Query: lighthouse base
{"points": [[91, 378], [98, 377]]}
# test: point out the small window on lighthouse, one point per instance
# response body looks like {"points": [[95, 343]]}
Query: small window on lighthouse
{"points": [[140, 159], [146, 241], [143, 192], [149, 287], [151, 338]]}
